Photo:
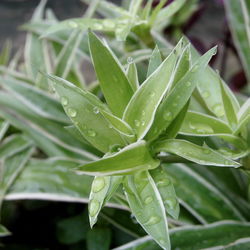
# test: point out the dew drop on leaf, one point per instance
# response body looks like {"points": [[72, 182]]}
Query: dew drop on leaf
{"points": [[137, 123], [188, 84], [64, 101], [168, 116], [163, 182], [171, 202], [152, 94], [94, 206], [205, 94], [218, 110], [91, 133], [98, 184], [152, 221], [148, 200], [72, 112], [96, 110]]}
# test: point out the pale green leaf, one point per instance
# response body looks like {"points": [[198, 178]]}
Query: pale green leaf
{"points": [[141, 109], [178, 97], [198, 124], [84, 110], [133, 76], [199, 154], [133, 157], [4, 125], [154, 61], [167, 192], [113, 81], [4, 231], [147, 206]]}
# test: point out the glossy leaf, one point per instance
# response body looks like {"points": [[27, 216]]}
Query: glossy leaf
{"points": [[3, 129], [147, 206], [143, 105], [192, 152], [154, 61], [115, 87], [199, 124], [166, 190], [178, 97], [83, 108], [102, 190], [135, 157], [133, 76]]}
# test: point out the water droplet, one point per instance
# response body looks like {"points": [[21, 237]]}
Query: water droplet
{"points": [[94, 206], [137, 123], [73, 24], [194, 69], [143, 122], [152, 94], [72, 112], [218, 110], [96, 110], [148, 200], [152, 221], [98, 184], [168, 116], [205, 94], [130, 60], [64, 101], [91, 133], [115, 148], [170, 202], [110, 126], [188, 84], [162, 241], [143, 112], [109, 24], [163, 182]]}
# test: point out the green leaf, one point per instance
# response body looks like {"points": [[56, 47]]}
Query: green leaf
{"points": [[178, 97], [142, 107], [198, 124], [147, 206], [230, 113], [103, 188], [4, 125], [99, 238], [121, 126], [113, 81], [4, 231], [220, 236], [66, 57], [133, 76], [154, 61], [200, 197], [167, 12], [84, 110], [167, 192], [5, 53], [13, 144], [37, 100], [133, 157], [175, 126], [192, 152], [238, 15]]}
